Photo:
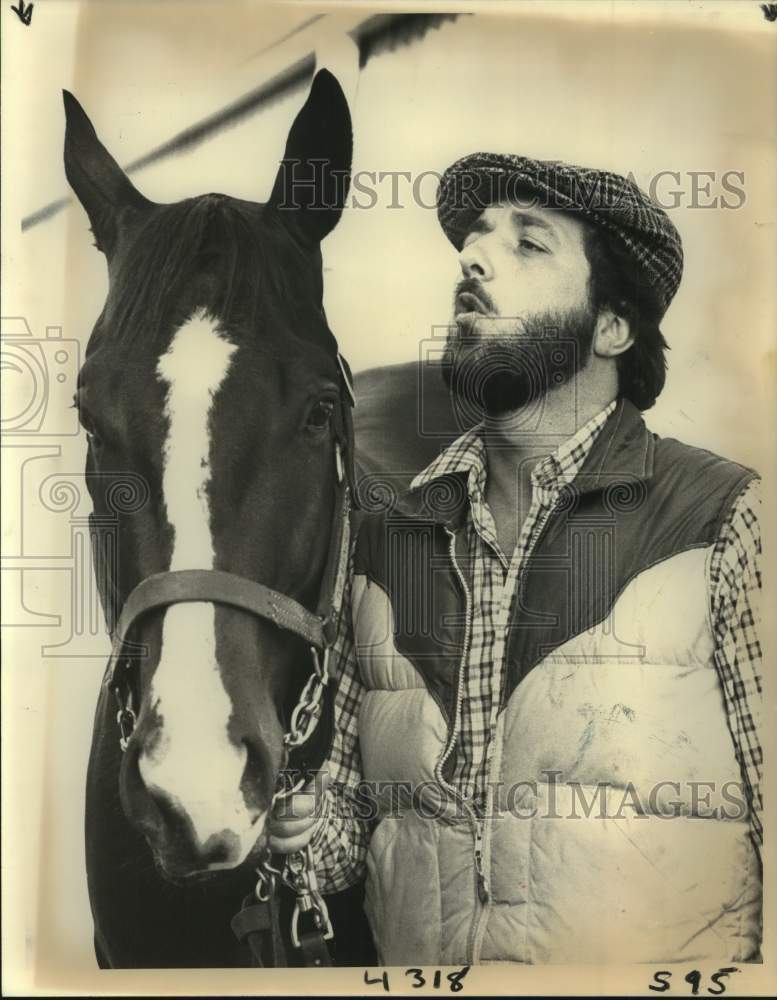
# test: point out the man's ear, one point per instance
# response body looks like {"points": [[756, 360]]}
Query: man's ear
{"points": [[100, 184], [612, 335]]}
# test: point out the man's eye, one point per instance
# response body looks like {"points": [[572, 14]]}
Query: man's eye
{"points": [[321, 414], [531, 246]]}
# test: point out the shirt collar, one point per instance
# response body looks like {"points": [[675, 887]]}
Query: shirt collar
{"points": [[467, 455]]}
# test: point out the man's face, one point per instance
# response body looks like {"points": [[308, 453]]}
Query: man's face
{"points": [[524, 321]]}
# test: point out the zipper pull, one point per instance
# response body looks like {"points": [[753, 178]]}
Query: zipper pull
{"points": [[481, 876]]}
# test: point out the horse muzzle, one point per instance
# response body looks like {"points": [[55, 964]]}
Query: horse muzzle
{"points": [[195, 822]]}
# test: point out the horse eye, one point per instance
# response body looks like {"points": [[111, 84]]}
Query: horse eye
{"points": [[93, 439], [321, 414]]}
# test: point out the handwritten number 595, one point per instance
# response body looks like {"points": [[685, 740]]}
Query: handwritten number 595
{"points": [[661, 982]]}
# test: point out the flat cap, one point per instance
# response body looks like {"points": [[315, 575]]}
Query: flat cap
{"points": [[608, 200]]}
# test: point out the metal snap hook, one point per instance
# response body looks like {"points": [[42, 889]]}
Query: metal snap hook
{"points": [[126, 719]]}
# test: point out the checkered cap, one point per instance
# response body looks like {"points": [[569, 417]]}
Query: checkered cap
{"points": [[608, 200]]}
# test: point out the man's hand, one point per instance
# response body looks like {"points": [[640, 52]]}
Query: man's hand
{"points": [[294, 819]]}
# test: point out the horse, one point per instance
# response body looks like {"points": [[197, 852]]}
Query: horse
{"points": [[211, 377]]}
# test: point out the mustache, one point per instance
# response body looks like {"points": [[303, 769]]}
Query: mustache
{"points": [[470, 296]]}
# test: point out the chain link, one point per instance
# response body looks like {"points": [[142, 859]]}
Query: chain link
{"points": [[307, 711], [125, 717], [265, 885], [284, 793]]}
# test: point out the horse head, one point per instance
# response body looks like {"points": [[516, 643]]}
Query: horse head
{"points": [[212, 374]]}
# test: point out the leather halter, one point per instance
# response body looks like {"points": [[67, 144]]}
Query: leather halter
{"points": [[317, 629]]}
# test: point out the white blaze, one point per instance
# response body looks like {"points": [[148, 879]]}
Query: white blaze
{"points": [[194, 763]]}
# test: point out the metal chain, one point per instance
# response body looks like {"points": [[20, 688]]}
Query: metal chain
{"points": [[265, 883], [307, 711]]}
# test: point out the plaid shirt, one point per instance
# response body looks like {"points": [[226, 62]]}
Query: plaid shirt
{"points": [[341, 840]]}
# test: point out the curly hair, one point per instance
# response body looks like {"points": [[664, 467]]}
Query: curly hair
{"points": [[617, 282]]}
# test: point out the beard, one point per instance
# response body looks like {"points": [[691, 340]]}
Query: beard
{"points": [[500, 372]]}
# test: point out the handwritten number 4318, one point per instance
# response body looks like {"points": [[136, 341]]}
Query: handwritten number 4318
{"points": [[419, 979]]}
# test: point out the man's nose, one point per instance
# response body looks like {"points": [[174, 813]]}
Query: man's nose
{"points": [[475, 262]]}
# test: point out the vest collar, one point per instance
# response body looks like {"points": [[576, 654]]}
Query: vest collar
{"points": [[622, 454]]}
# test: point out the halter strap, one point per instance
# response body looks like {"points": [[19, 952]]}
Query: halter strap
{"points": [[184, 585], [220, 587]]}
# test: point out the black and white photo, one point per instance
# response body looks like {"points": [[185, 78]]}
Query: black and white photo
{"points": [[389, 498]]}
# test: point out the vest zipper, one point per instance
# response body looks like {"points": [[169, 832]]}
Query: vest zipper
{"points": [[482, 886], [454, 731], [479, 929], [475, 823]]}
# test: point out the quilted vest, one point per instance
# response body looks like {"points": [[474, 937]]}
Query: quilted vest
{"points": [[616, 827]]}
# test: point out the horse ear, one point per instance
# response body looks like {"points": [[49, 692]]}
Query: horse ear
{"points": [[312, 183], [101, 185]]}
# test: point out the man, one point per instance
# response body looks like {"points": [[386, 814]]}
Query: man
{"points": [[551, 676]]}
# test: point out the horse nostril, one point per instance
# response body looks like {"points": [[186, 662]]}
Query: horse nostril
{"points": [[221, 849], [139, 802], [258, 781]]}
